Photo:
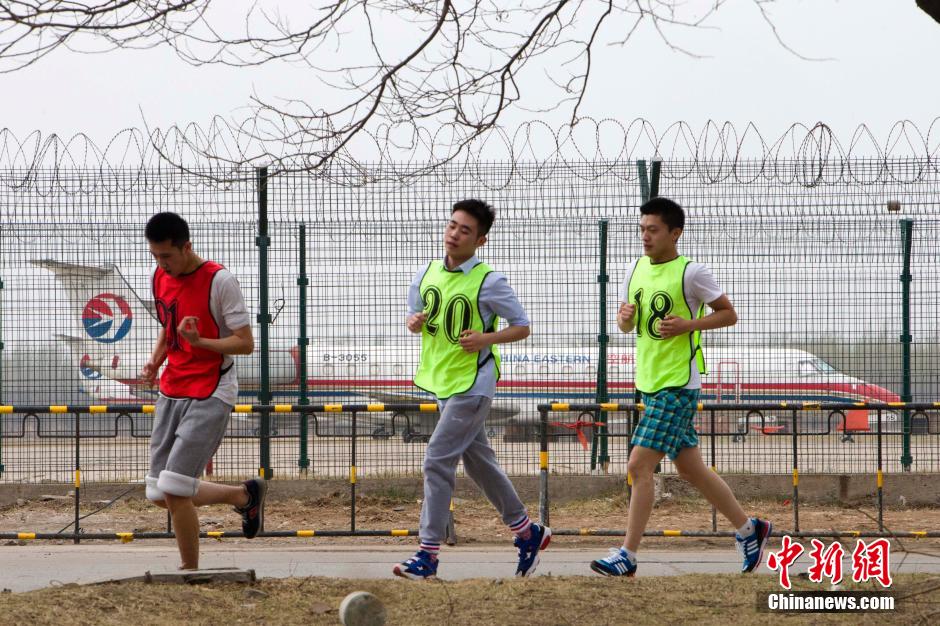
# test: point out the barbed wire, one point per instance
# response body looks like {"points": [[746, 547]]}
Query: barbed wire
{"points": [[224, 153]]}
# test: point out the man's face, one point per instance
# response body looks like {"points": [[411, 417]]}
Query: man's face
{"points": [[172, 259], [460, 237], [658, 240]]}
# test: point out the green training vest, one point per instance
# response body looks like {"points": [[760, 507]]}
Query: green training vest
{"points": [[451, 302], [657, 291]]}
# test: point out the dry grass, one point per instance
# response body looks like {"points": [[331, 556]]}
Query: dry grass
{"points": [[700, 599], [476, 520], [697, 599]]}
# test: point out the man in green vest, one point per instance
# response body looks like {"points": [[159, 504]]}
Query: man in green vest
{"points": [[664, 299], [455, 304]]}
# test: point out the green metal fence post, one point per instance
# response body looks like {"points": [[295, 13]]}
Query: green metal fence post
{"points": [[302, 342], [643, 175], [654, 178], [352, 475], [603, 339], [644, 181], [1, 374], [907, 233], [649, 188], [543, 467], [654, 193], [78, 475], [263, 241]]}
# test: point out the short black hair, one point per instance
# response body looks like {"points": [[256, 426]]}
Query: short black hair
{"points": [[480, 210], [167, 226], [668, 211]]}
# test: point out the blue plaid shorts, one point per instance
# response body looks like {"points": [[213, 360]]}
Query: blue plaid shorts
{"points": [[666, 424]]}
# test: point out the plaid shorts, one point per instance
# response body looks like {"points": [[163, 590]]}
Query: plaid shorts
{"points": [[666, 424]]}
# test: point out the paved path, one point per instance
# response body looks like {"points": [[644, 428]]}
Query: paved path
{"points": [[38, 565]]}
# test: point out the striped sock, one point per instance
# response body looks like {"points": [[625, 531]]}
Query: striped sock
{"points": [[522, 528], [431, 547]]}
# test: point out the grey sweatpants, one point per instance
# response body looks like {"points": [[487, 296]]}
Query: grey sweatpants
{"points": [[461, 435], [186, 433]]}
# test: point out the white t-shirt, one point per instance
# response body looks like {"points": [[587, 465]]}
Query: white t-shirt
{"points": [[227, 305], [700, 287]]}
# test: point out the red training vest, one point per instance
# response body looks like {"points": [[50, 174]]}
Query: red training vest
{"points": [[190, 372]]}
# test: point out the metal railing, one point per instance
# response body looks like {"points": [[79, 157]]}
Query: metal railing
{"points": [[594, 419]]}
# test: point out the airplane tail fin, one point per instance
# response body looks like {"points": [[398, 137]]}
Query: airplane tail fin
{"points": [[115, 328], [108, 307]]}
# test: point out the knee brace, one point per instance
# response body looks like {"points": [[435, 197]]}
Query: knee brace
{"points": [[177, 484]]}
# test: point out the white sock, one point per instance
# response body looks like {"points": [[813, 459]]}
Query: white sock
{"points": [[630, 554], [747, 530]]}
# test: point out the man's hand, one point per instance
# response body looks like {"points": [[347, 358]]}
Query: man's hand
{"points": [[472, 341], [188, 329], [672, 326], [625, 314], [149, 372], [416, 321]]}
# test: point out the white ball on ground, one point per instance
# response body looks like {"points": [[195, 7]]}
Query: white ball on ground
{"points": [[361, 608]]}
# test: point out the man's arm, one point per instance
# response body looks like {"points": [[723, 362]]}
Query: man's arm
{"points": [[474, 340], [416, 315], [229, 307], [497, 298], [157, 357], [722, 315], [626, 317], [241, 341], [626, 314]]}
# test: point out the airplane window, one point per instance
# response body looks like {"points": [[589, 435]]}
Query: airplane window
{"points": [[811, 367]]}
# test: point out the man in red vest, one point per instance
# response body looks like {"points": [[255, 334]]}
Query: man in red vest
{"points": [[200, 306]]}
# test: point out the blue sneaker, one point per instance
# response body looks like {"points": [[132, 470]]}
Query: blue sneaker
{"points": [[752, 547], [529, 549], [419, 567], [617, 563]]}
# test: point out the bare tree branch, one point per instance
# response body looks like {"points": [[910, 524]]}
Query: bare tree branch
{"points": [[403, 70]]}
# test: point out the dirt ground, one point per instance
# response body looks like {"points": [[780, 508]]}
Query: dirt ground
{"points": [[475, 520], [542, 600], [697, 599]]}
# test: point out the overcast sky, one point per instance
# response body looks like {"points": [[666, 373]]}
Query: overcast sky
{"points": [[882, 53]]}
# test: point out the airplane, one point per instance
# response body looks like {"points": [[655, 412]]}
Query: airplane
{"points": [[533, 375], [118, 327]]}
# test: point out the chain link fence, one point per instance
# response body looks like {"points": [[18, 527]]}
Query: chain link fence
{"points": [[833, 272]]}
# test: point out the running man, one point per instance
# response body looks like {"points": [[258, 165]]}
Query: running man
{"points": [[455, 304], [664, 300], [200, 306]]}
